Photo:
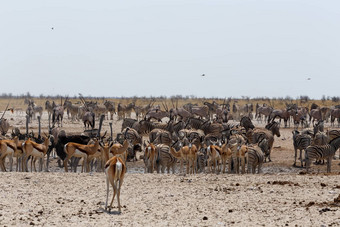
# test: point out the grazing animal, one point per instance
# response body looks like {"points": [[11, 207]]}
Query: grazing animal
{"points": [[150, 158], [187, 154], [300, 142], [49, 107], [4, 126], [115, 170], [226, 155], [57, 116], [89, 119], [319, 152], [7, 148], [214, 158], [36, 151], [238, 150], [81, 151], [72, 109], [246, 123], [255, 159], [335, 114], [271, 129], [110, 107]]}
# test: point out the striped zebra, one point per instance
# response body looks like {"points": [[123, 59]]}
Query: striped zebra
{"points": [[164, 159], [130, 123], [246, 123], [132, 136], [145, 127], [202, 158], [320, 138], [160, 136], [318, 152], [255, 159], [194, 123], [300, 142], [332, 134], [271, 129]]}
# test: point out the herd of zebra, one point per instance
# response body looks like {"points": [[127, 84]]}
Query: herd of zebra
{"points": [[86, 110], [202, 137]]}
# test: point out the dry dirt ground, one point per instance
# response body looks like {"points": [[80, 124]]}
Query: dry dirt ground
{"points": [[281, 195]]}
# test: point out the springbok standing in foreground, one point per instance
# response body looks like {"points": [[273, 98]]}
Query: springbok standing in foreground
{"points": [[115, 170]]}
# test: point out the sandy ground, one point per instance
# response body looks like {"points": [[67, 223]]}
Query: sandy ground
{"points": [[74, 199], [281, 195]]}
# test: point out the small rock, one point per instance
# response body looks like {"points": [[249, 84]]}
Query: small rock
{"points": [[205, 218], [323, 185]]}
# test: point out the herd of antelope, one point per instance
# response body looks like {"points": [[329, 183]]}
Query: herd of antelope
{"points": [[209, 138]]}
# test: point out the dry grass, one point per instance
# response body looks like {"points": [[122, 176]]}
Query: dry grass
{"points": [[276, 103]]}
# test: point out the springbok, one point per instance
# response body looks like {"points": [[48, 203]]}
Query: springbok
{"points": [[7, 148], [115, 170], [35, 150], [81, 151]]}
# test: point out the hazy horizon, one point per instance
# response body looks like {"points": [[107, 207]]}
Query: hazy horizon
{"points": [[161, 48]]}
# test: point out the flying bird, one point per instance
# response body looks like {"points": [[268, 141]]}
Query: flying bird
{"points": [[203, 74], [52, 28], [308, 78]]}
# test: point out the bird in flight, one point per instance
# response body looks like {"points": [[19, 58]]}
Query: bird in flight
{"points": [[52, 28], [308, 78], [203, 74]]}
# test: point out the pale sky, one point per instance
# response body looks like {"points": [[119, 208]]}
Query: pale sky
{"points": [[162, 47]]}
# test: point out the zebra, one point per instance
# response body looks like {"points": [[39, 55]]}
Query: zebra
{"points": [[57, 116], [29, 113], [335, 114], [73, 109], [88, 119], [318, 127], [157, 114], [125, 111], [315, 114], [49, 107], [271, 129], [145, 127], [212, 108], [202, 158], [162, 137], [153, 135], [246, 123], [300, 142], [132, 136], [4, 126], [130, 123], [320, 138], [265, 110], [332, 134], [319, 152], [255, 158], [110, 107], [200, 111], [282, 114], [164, 159], [194, 123]]}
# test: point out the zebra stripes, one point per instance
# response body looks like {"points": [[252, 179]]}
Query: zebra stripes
{"points": [[255, 159], [164, 159], [319, 152], [300, 142]]}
